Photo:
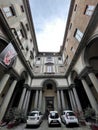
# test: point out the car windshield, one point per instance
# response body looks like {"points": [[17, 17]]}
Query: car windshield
{"points": [[70, 114], [33, 114], [54, 115]]}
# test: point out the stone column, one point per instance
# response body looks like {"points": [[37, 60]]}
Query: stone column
{"points": [[62, 98], [94, 80], [90, 96], [77, 100], [22, 98], [69, 92], [28, 99], [36, 100], [73, 100], [25, 101], [3, 82], [40, 100], [7, 99], [58, 99]]}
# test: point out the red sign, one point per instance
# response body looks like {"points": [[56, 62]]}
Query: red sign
{"points": [[8, 55]]}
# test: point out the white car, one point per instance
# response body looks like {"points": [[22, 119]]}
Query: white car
{"points": [[54, 118], [34, 118], [68, 117]]}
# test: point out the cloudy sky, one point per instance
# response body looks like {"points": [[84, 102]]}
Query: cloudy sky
{"points": [[49, 17]]}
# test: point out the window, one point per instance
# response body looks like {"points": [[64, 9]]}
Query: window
{"points": [[24, 32], [22, 8], [9, 11], [27, 27], [49, 58], [89, 10], [59, 58], [31, 55], [70, 25], [67, 60], [49, 86], [72, 49], [19, 33], [78, 35], [27, 48], [37, 66], [30, 40], [49, 69], [75, 7], [38, 58]]}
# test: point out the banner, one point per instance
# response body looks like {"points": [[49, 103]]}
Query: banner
{"points": [[8, 56]]}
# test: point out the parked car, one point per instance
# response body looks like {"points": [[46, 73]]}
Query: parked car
{"points": [[54, 118], [68, 117], [34, 118]]}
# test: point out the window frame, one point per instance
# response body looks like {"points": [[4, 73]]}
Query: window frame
{"points": [[78, 35], [9, 11], [89, 10]]}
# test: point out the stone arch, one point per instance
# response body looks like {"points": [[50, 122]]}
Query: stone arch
{"points": [[49, 81], [24, 74], [91, 54]]}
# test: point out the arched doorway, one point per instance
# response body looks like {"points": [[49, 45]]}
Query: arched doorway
{"points": [[49, 95]]}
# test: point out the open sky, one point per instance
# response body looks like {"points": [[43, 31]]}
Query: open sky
{"points": [[49, 17]]}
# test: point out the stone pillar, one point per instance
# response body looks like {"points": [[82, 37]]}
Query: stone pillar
{"points": [[62, 98], [77, 100], [73, 100], [22, 98], [90, 96], [40, 100], [58, 99], [36, 100], [94, 80], [69, 92], [27, 103], [7, 99], [3, 82]]}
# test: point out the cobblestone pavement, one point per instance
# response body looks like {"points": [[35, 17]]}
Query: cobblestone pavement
{"points": [[44, 126]]}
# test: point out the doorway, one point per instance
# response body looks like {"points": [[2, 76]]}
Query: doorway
{"points": [[49, 103]]}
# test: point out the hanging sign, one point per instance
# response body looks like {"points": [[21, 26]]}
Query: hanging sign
{"points": [[8, 56]]}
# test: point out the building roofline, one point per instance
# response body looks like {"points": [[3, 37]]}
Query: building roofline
{"points": [[68, 22], [31, 23]]}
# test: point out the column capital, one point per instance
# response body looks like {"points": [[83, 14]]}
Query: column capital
{"points": [[71, 86], [27, 86], [85, 71]]}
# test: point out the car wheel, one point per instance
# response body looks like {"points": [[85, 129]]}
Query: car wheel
{"points": [[26, 126], [48, 125], [77, 125], [64, 122], [59, 125], [67, 125]]}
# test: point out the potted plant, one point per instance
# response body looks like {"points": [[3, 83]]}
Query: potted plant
{"points": [[92, 118], [15, 116], [89, 114]]}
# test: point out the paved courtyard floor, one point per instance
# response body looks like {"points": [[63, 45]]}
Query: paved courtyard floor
{"points": [[44, 126]]}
